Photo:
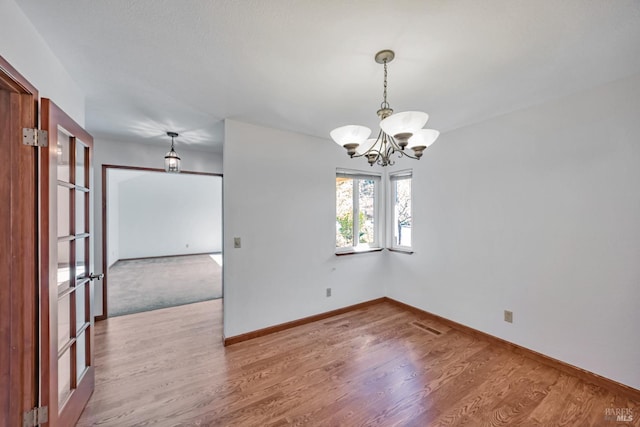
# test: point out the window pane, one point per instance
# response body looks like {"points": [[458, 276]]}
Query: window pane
{"points": [[64, 321], [80, 152], [63, 156], [64, 377], [366, 214], [344, 212], [80, 257], [81, 355], [64, 267], [81, 199], [63, 211], [402, 212], [81, 315]]}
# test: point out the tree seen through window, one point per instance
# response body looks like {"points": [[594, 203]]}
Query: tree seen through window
{"points": [[355, 212]]}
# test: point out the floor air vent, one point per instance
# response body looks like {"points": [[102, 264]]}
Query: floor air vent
{"points": [[426, 328]]}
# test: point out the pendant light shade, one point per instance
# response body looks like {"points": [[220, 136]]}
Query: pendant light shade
{"points": [[171, 159]]}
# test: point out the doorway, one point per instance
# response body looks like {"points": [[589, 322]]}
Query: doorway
{"points": [[162, 239]]}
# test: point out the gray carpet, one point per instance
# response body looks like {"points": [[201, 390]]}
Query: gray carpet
{"points": [[134, 286]]}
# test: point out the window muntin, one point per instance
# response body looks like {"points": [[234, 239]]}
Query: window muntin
{"points": [[357, 218], [401, 210]]}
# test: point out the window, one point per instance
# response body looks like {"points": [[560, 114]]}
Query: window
{"points": [[401, 210], [357, 221]]}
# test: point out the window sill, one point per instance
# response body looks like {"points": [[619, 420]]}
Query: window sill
{"points": [[401, 250], [359, 251]]}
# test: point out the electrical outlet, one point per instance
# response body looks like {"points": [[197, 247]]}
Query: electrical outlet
{"points": [[508, 316], [328, 292], [236, 242]]}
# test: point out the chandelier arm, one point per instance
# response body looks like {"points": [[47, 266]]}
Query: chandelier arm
{"points": [[382, 151], [391, 149], [394, 143], [371, 149], [355, 156], [371, 152], [385, 162], [404, 153], [374, 153]]}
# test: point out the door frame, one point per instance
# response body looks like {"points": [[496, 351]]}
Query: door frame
{"points": [[105, 268], [19, 347]]}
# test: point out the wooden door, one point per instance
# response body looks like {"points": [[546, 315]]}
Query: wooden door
{"points": [[18, 248], [67, 294]]}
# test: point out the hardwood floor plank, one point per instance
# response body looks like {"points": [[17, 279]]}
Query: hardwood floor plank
{"points": [[370, 367]]}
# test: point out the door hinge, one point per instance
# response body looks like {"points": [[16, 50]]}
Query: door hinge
{"points": [[36, 416], [34, 137]]}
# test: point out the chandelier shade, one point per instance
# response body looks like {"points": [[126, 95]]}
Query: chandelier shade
{"points": [[366, 146], [397, 131], [423, 137], [405, 122], [350, 134]]}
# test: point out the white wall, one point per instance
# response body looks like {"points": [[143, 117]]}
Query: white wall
{"points": [[141, 155], [279, 198], [23, 47], [114, 178], [537, 212], [169, 214], [113, 226]]}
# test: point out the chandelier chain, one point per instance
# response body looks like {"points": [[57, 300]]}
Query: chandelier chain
{"points": [[385, 104]]}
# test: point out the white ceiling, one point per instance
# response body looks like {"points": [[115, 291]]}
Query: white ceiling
{"points": [[148, 66]]}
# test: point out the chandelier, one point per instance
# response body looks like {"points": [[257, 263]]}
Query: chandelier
{"points": [[397, 131], [171, 159]]}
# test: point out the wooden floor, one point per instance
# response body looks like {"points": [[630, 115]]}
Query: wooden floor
{"points": [[369, 367]]}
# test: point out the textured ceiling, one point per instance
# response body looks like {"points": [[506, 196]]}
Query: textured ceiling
{"points": [[148, 66]]}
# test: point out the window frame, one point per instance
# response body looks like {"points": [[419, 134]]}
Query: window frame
{"points": [[378, 208], [393, 178]]}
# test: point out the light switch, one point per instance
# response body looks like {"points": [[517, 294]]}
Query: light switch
{"points": [[236, 242]]}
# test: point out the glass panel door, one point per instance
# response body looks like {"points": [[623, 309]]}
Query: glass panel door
{"points": [[68, 377], [72, 260]]}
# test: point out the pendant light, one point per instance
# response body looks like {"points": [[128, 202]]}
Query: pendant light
{"points": [[171, 159]]}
